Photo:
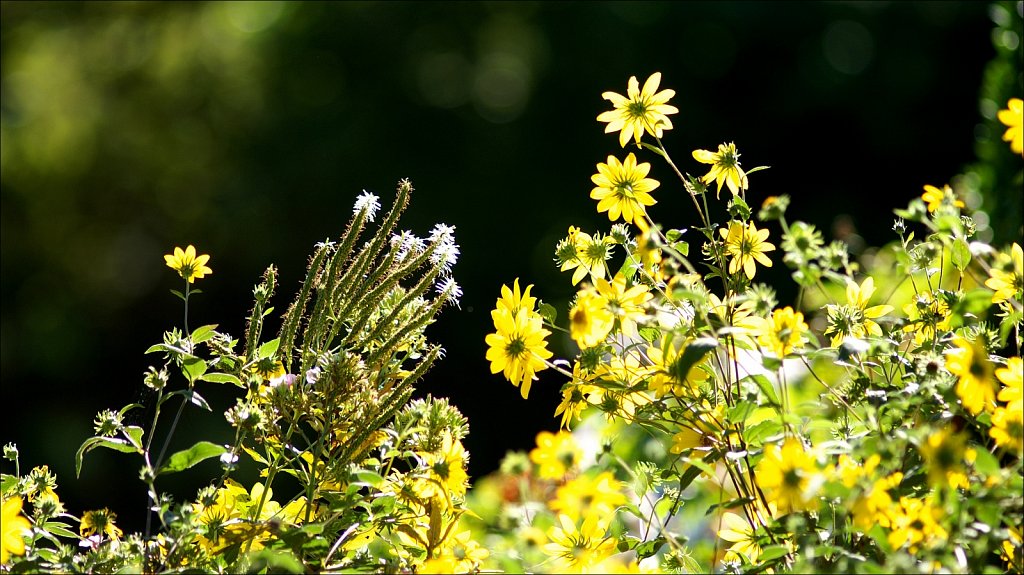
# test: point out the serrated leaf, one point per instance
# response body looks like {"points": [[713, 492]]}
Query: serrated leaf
{"points": [[548, 312], [97, 441], [7, 482], [221, 378], [188, 458], [961, 254], [203, 333], [268, 349]]}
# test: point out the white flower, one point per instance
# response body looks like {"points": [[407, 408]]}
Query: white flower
{"points": [[228, 459], [312, 375], [406, 245], [369, 202], [445, 254], [450, 290], [443, 233]]}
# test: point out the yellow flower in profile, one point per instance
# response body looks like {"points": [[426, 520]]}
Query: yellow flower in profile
{"points": [[741, 534], [556, 454], [586, 496], [574, 399], [517, 348], [1007, 279], [789, 475], [746, 245], [935, 197], [14, 527], [187, 264], [624, 188], [976, 385], [1013, 118], [101, 522], [639, 111], [783, 333], [576, 550], [725, 168], [626, 305], [590, 320]]}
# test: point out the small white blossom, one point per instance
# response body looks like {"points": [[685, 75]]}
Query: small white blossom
{"points": [[450, 290], [369, 202], [312, 375], [406, 245], [228, 459], [442, 233], [445, 254]]}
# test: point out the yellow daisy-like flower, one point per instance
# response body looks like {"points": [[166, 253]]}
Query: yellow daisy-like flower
{"points": [[513, 300], [518, 348], [639, 111], [746, 245], [1008, 428], [1007, 277], [576, 550], [668, 378], [624, 188], [873, 506], [935, 197], [789, 475], [586, 496], [555, 454], [725, 168], [590, 320], [574, 396], [584, 253], [928, 315], [187, 264], [626, 305], [1013, 117], [976, 385], [784, 332], [913, 521], [14, 527], [741, 534], [1012, 378], [447, 468], [944, 453], [100, 521], [855, 318]]}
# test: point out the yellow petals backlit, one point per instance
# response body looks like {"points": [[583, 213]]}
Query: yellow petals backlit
{"points": [[188, 265], [745, 245], [1013, 118], [623, 188], [639, 111], [725, 168]]}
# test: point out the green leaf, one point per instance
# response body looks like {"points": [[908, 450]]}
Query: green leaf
{"points": [[986, 463], [273, 561], [179, 295], [192, 368], [60, 529], [268, 349], [649, 548], [650, 334], [7, 482], [756, 434], [681, 247], [97, 441], [129, 407], [369, 478], [739, 412], [673, 235], [961, 254], [766, 387], [203, 333], [693, 353], [190, 457], [221, 378], [548, 312], [757, 169], [973, 304], [134, 434], [772, 552]]}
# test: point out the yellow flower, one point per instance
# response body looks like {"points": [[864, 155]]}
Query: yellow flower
{"points": [[518, 347], [783, 333], [1013, 117], [187, 264], [14, 528], [556, 454], [725, 168], [460, 554], [913, 522], [576, 550], [590, 320], [976, 385], [1008, 279], [626, 305], [702, 427], [873, 506], [1012, 378], [944, 453], [584, 497], [624, 188], [584, 253], [854, 319], [927, 314], [741, 534], [447, 468], [574, 399], [100, 521], [746, 245], [639, 111], [935, 197], [1008, 428], [513, 300], [789, 475]]}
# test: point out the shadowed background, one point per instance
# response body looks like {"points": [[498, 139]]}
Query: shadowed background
{"points": [[248, 129]]}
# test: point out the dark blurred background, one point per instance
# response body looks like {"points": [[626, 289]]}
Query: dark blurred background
{"points": [[249, 128]]}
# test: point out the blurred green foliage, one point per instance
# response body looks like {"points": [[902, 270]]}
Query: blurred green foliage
{"points": [[247, 129]]}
